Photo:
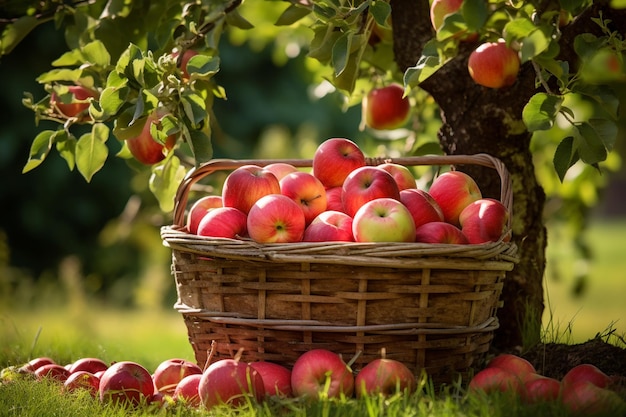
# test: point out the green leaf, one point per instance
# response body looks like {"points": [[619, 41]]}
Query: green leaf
{"points": [[606, 130], [291, 15], [540, 111], [587, 44], [341, 53], [589, 144], [453, 25], [564, 157], [194, 107], [164, 181], [380, 10], [13, 33], [324, 38], [534, 44], [91, 151], [200, 143], [96, 53], [323, 12], [111, 101], [69, 58], [203, 65], [475, 14], [519, 28], [66, 146], [603, 95], [64, 74], [39, 149], [235, 19]]}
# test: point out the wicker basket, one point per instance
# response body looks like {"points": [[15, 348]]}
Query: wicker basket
{"points": [[431, 306]]}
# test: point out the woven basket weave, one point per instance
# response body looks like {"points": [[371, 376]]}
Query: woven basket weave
{"points": [[431, 306]]}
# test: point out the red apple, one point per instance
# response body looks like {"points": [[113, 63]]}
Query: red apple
{"points": [[79, 103], [306, 190], [383, 220], [229, 381], [403, 175], [490, 380], [127, 383], [82, 380], [276, 218], [422, 206], [333, 199], [586, 372], [280, 169], [276, 378], [440, 232], [145, 148], [199, 209], [329, 226], [334, 159], [366, 184], [386, 108], [52, 371], [187, 390], [320, 371], [227, 222], [484, 220], [515, 364], [494, 65], [246, 184], [583, 398], [386, 376], [91, 365], [33, 364], [453, 191], [169, 373], [541, 389]]}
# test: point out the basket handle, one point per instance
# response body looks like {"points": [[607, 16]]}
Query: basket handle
{"points": [[482, 159]]}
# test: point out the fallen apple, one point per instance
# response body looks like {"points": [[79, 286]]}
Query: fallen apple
{"points": [[126, 383], [320, 372], [229, 381], [384, 376]]}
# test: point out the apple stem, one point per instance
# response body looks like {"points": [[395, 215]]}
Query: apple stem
{"points": [[239, 354], [354, 358], [210, 354]]}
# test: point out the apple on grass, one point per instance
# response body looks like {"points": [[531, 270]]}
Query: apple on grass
{"points": [[383, 220], [403, 175], [229, 381], [329, 226], [82, 380], [453, 191], [91, 365], [365, 184], [422, 206], [484, 220], [494, 65], [306, 190], [187, 390], [144, 147], [199, 208], [386, 108], [53, 372], [491, 380], [247, 184], [280, 169], [586, 372], [384, 376], [169, 373], [127, 383], [440, 232], [226, 222], [75, 103], [276, 378], [276, 218], [33, 364], [515, 364], [334, 159], [541, 388], [583, 398], [321, 373]]}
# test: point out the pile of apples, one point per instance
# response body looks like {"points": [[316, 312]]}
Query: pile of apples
{"points": [[343, 199], [583, 390], [225, 381]]}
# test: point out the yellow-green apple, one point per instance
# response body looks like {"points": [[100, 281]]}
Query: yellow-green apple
{"points": [[227, 222], [320, 371], [365, 184], [187, 390], [453, 191], [586, 372], [386, 108], [276, 218], [75, 103], [145, 148], [280, 169], [187, 55], [333, 199], [383, 220], [334, 159], [541, 389], [484, 220], [583, 398], [246, 184], [276, 378], [127, 383], [82, 380], [403, 175], [422, 206], [169, 373], [384, 376], [306, 190], [199, 208], [229, 381], [440, 232], [439, 9], [329, 226], [515, 364], [494, 65], [490, 380], [91, 365], [52, 371]]}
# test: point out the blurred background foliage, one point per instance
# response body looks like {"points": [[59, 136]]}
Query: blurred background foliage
{"points": [[101, 240]]}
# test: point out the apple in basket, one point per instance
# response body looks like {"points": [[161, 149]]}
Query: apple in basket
{"points": [[453, 191], [403, 176], [333, 199], [334, 159], [276, 218], [306, 190], [484, 220], [422, 206], [383, 220], [320, 372], [229, 381], [227, 222], [440, 232], [385, 376], [330, 226], [366, 184], [246, 184], [280, 169], [201, 207]]}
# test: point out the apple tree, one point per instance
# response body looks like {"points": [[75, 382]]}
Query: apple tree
{"points": [[137, 70]]}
